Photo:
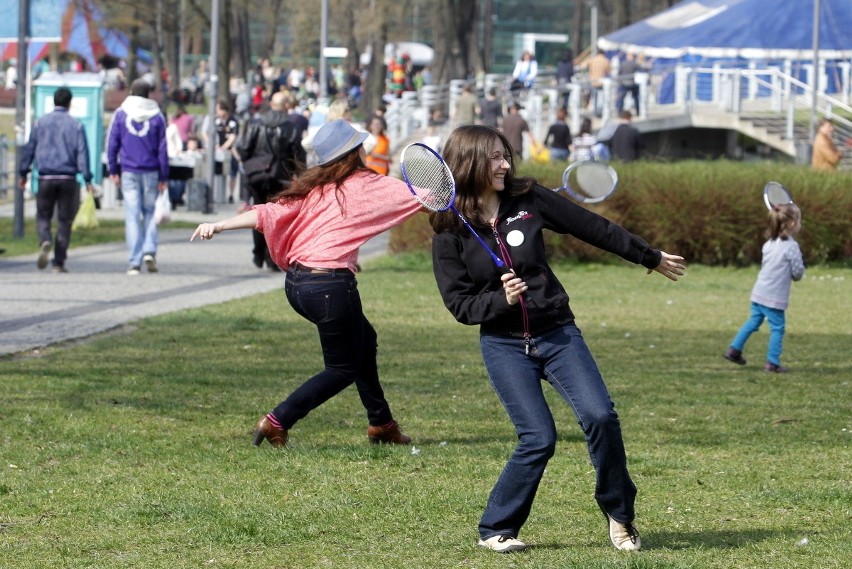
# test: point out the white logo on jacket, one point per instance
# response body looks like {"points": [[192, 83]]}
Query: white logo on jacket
{"points": [[523, 214], [146, 126]]}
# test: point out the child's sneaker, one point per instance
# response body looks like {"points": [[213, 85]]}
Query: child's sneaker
{"points": [[773, 368], [735, 356]]}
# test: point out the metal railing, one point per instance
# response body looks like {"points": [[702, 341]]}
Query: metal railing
{"points": [[771, 90]]}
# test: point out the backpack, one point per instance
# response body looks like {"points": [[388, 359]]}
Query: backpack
{"points": [[282, 160]]}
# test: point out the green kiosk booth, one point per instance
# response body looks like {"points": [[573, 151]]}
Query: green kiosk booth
{"points": [[87, 105]]}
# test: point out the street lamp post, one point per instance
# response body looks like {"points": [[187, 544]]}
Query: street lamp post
{"points": [[323, 82], [20, 114], [815, 75], [211, 103]]}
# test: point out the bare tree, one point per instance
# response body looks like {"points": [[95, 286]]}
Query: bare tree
{"points": [[451, 28], [577, 23], [376, 70], [240, 41], [270, 11], [200, 9]]}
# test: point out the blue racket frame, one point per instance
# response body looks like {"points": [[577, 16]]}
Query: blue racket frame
{"points": [[451, 206]]}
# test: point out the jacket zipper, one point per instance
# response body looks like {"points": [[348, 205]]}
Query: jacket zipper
{"points": [[504, 252]]}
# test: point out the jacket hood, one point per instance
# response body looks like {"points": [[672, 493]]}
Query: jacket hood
{"points": [[140, 109]]}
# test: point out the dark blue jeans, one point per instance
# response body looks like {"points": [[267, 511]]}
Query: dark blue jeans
{"points": [[562, 358], [331, 301]]}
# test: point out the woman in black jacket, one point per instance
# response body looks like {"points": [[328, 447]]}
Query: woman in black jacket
{"points": [[527, 329]]}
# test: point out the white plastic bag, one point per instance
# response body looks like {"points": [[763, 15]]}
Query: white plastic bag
{"points": [[162, 208]]}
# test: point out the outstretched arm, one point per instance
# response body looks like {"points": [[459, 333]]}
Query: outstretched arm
{"points": [[671, 266], [245, 220]]}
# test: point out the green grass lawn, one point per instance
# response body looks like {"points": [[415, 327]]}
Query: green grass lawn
{"points": [[133, 450]]}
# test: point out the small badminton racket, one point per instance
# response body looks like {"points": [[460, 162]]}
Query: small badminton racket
{"points": [[431, 183], [589, 181], [774, 194]]}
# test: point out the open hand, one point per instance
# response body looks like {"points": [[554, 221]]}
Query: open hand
{"points": [[671, 266]]}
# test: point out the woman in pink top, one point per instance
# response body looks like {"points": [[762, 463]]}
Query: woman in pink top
{"points": [[314, 228]]}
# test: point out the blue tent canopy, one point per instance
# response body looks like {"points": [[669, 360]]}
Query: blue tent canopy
{"points": [[750, 29]]}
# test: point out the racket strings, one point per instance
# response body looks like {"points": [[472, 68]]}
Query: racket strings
{"points": [[432, 184], [591, 181], [778, 196]]}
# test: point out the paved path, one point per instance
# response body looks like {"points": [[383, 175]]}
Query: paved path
{"points": [[40, 308]]}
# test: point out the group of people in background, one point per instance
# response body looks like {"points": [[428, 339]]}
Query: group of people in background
{"points": [[617, 140]]}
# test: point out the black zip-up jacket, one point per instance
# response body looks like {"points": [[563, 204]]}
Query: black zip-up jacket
{"points": [[469, 281]]}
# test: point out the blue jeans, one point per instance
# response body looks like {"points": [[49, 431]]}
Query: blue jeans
{"points": [[139, 192], [558, 154], [562, 358], [332, 302], [776, 319]]}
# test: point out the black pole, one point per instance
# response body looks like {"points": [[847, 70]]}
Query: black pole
{"points": [[20, 117]]}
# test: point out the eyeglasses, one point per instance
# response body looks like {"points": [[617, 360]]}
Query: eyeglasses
{"points": [[499, 158]]}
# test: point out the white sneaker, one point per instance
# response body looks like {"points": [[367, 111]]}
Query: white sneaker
{"points": [[43, 254], [133, 271], [624, 537], [502, 543], [150, 262]]}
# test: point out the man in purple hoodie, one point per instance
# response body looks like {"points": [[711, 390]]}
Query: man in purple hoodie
{"points": [[136, 150]]}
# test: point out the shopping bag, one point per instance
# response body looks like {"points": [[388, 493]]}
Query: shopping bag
{"points": [[539, 153], [85, 218], [162, 208]]}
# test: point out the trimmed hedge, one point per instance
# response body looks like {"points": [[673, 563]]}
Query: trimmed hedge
{"points": [[711, 212]]}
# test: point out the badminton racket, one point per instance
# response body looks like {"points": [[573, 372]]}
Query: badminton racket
{"points": [[431, 183], [774, 194], [589, 181]]}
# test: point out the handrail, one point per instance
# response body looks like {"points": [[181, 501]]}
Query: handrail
{"points": [[786, 95], [756, 74]]}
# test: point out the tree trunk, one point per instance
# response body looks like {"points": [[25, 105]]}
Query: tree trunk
{"points": [[224, 53], [240, 41], [267, 48], [377, 70], [353, 54], [132, 48], [487, 33], [454, 32], [577, 43], [157, 52]]}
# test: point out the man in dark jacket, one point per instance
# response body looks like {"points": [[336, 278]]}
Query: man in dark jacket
{"points": [[271, 152], [59, 148], [625, 142], [136, 148]]}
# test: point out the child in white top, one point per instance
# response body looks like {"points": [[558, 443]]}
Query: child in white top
{"points": [[781, 264]]}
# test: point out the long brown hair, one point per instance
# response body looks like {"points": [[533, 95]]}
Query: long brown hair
{"points": [[320, 177], [782, 221], [468, 154]]}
